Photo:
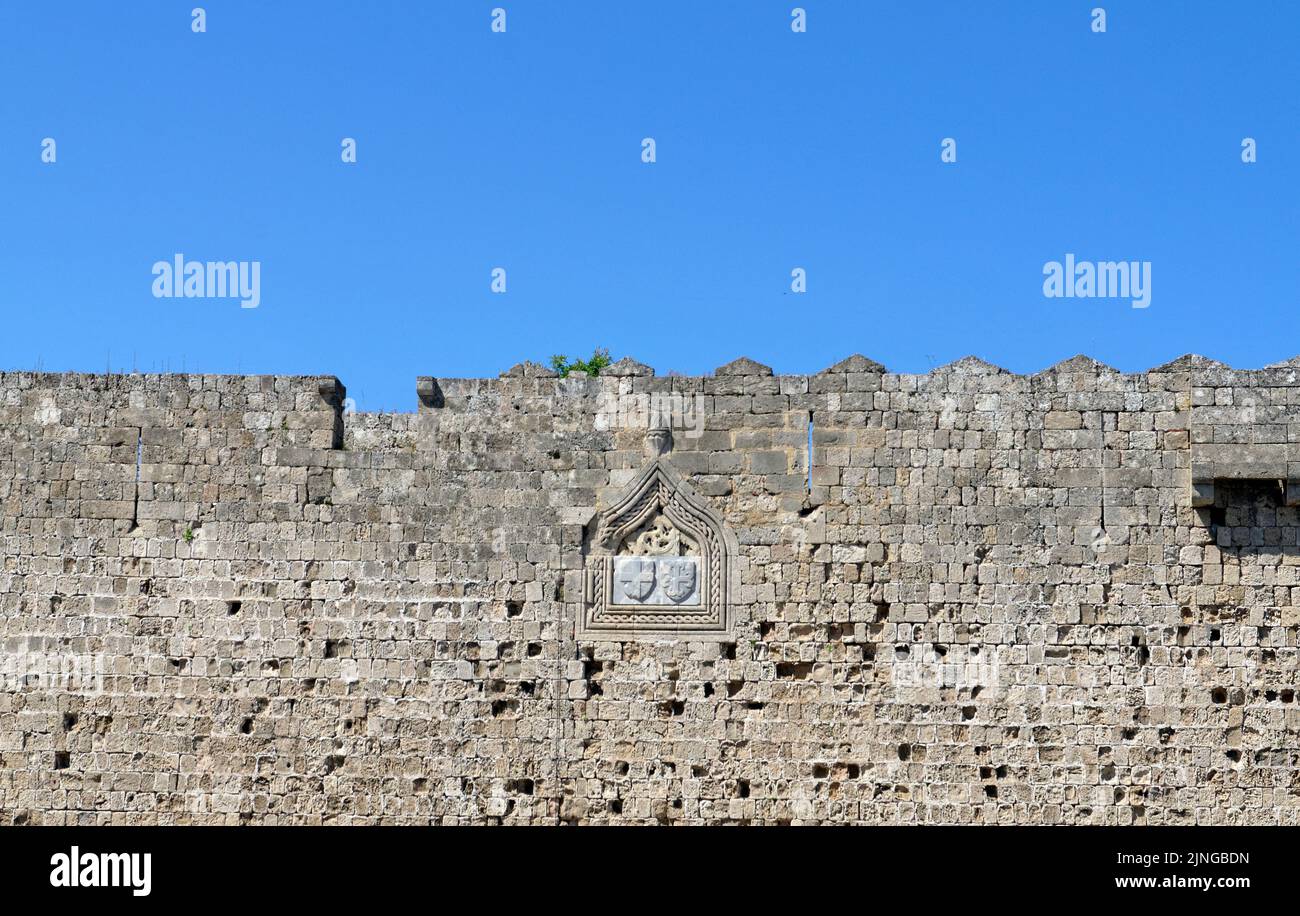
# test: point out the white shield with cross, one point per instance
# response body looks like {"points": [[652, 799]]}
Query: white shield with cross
{"points": [[634, 579], [677, 577]]}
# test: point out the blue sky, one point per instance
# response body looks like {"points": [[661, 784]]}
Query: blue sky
{"points": [[522, 150]]}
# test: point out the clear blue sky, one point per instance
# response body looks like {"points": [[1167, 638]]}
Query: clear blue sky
{"points": [[523, 150]]}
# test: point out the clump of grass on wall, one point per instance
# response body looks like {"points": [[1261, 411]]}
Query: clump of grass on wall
{"points": [[563, 365]]}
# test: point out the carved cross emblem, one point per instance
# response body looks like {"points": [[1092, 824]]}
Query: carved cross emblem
{"points": [[637, 577], [677, 578]]}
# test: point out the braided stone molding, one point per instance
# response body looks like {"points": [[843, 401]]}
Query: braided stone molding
{"points": [[658, 491]]}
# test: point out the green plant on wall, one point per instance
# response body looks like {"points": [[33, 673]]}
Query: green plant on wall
{"points": [[563, 365]]}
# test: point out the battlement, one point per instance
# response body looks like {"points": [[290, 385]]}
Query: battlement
{"points": [[1240, 423], [740, 374]]}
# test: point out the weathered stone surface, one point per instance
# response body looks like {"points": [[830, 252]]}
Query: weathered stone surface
{"points": [[627, 366], [428, 392], [971, 365], [1079, 363], [332, 390], [743, 366], [993, 598], [528, 369], [855, 363], [1190, 361]]}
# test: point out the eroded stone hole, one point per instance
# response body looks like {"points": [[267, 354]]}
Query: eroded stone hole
{"points": [[591, 671], [672, 708]]}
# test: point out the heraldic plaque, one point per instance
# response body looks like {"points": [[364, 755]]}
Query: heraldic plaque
{"points": [[659, 564]]}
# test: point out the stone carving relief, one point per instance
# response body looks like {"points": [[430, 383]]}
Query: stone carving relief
{"points": [[658, 564]]}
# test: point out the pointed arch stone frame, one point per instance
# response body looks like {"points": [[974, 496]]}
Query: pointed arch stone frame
{"points": [[659, 489]]}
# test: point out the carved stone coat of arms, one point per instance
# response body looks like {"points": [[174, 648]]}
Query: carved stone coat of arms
{"points": [[658, 564]]}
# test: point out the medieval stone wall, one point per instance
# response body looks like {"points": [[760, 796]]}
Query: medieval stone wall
{"points": [[1069, 597]]}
